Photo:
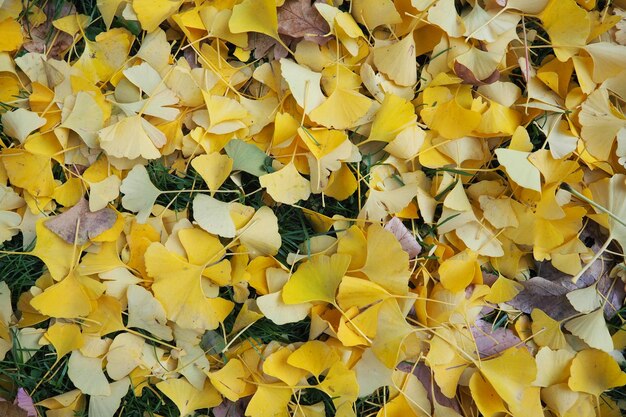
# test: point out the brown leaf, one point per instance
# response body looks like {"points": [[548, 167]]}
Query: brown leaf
{"points": [[405, 237], [299, 19], [490, 341], [90, 224], [44, 38], [546, 295], [8, 409], [231, 409], [262, 45], [548, 291], [468, 76], [424, 375]]}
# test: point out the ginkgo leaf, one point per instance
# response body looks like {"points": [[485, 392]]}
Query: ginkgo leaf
{"points": [[519, 168], [78, 292], [107, 405], [139, 193], [214, 168], [603, 375], [186, 397], [246, 157], [230, 380], [286, 185], [87, 375], [255, 16], [397, 61], [151, 14], [273, 307], [213, 216], [260, 235], [78, 224], [132, 137], [592, 329], [394, 273], [304, 84], [65, 337], [21, 123], [145, 312], [178, 287], [316, 279]]}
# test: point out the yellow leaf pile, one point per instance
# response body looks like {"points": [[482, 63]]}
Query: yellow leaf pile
{"points": [[295, 208]]}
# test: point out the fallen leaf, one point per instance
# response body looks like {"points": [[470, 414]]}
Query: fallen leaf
{"points": [[78, 225], [299, 19]]}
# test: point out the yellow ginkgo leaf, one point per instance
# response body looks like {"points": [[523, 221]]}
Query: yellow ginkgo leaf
{"points": [[78, 291], [304, 84], [178, 287], [394, 115], [145, 312], [286, 185], [316, 279], [457, 272], [487, 399], [255, 16], [65, 337], [519, 168], [511, 376], [260, 235], [72, 24], [393, 274], [375, 13], [132, 137], [12, 37], [86, 374], [314, 356], [391, 332], [397, 61], [29, 171], [274, 308], [547, 331], [103, 192], [20, 123], [341, 385], [101, 405], [276, 365], [552, 366], [125, 353], [187, 398], [213, 215], [270, 400], [594, 371], [214, 168], [151, 14], [592, 329], [342, 109], [567, 36], [230, 380], [107, 54]]}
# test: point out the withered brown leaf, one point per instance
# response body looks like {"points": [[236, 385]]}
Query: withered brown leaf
{"points": [[89, 224], [299, 19]]}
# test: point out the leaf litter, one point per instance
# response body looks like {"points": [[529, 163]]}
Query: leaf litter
{"points": [[313, 208]]}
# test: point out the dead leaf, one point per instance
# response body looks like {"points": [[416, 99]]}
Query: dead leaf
{"points": [[89, 224], [299, 19], [261, 45], [405, 237], [8, 409], [424, 375], [468, 76], [229, 408], [490, 341], [45, 39]]}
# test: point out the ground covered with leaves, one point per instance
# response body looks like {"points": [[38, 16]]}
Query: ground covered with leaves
{"points": [[293, 208]]}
